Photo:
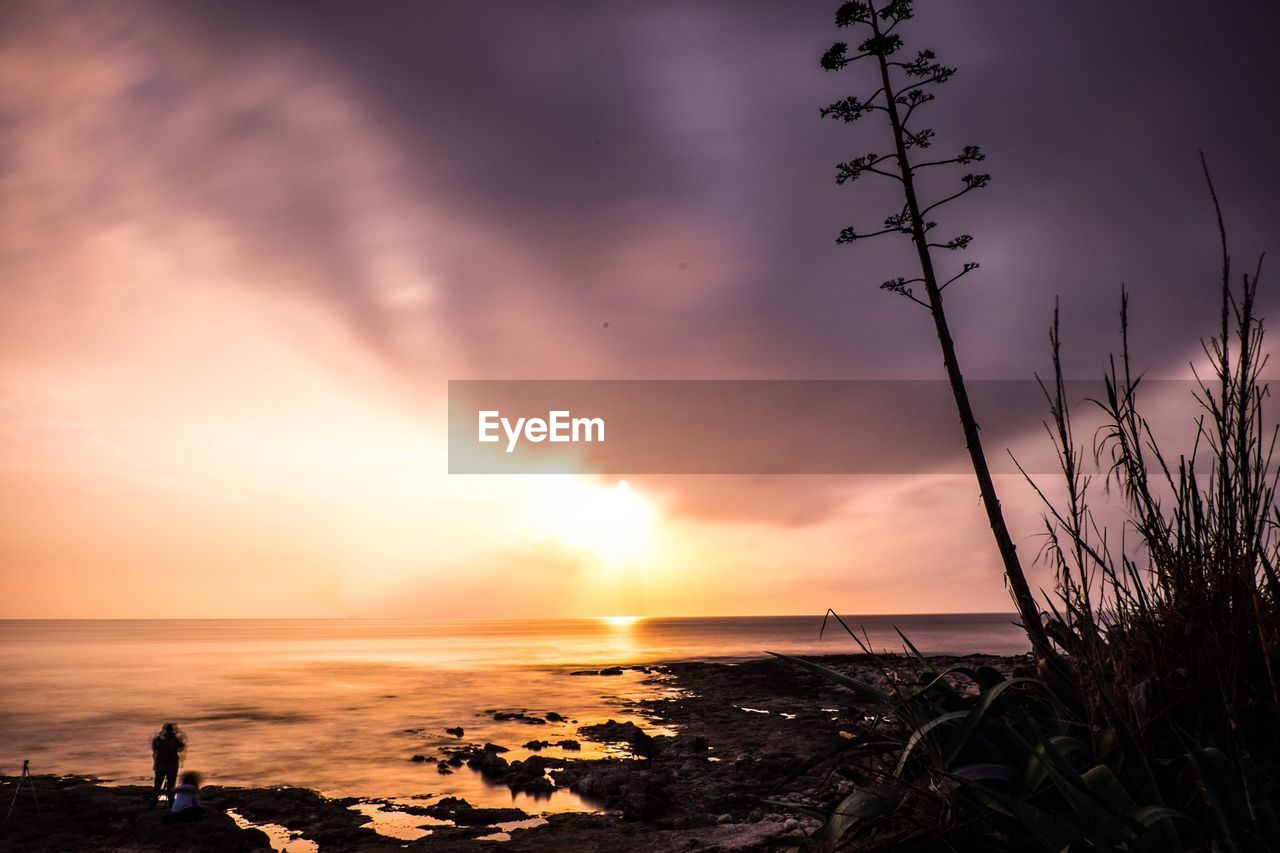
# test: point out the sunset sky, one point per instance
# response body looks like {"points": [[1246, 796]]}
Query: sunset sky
{"points": [[244, 246]]}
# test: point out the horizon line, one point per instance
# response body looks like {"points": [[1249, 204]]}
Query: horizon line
{"points": [[599, 617]]}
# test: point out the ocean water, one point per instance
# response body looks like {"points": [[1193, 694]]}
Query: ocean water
{"points": [[341, 706]]}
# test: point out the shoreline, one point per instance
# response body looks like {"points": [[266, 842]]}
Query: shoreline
{"points": [[740, 727]]}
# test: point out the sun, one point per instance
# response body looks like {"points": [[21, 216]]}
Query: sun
{"points": [[613, 524]]}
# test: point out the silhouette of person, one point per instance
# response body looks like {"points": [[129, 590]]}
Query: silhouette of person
{"points": [[186, 800], [166, 753]]}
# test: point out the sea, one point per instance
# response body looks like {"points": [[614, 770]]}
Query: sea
{"points": [[342, 706]]}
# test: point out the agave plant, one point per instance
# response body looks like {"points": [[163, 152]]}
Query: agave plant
{"points": [[940, 743]]}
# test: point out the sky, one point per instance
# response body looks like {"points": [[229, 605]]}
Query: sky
{"points": [[244, 246]]}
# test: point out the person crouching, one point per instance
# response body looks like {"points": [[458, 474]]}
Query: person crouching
{"points": [[186, 800]]}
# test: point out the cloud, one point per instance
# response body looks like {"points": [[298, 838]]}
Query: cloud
{"points": [[298, 220]]}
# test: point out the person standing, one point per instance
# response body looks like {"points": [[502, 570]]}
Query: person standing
{"points": [[166, 754]]}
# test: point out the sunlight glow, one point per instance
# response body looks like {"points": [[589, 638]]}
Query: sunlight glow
{"points": [[614, 525], [619, 621]]}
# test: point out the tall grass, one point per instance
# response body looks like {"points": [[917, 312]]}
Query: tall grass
{"points": [[1158, 727], [1184, 629]]}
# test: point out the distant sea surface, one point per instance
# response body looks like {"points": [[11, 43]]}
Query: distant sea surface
{"points": [[341, 706]]}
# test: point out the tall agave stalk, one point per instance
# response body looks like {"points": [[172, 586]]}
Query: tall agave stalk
{"points": [[905, 86]]}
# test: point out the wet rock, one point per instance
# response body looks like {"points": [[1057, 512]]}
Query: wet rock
{"points": [[330, 823], [443, 768], [463, 813], [493, 747], [519, 716], [536, 745], [553, 717], [530, 776], [585, 672], [569, 744], [725, 818], [540, 763], [488, 762], [611, 670], [627, 732], [418, 759], [456, 731], [536, 787]]}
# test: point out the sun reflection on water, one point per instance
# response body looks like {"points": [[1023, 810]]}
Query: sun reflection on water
{"points": [[619, 621]]}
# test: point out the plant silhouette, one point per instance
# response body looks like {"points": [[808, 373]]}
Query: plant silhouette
{"points": [[905, 86]]}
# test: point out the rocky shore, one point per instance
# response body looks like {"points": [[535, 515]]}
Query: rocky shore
{"points": [[742, 732]]}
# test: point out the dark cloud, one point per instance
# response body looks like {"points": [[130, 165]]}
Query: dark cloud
{"points": [[573, 134]]}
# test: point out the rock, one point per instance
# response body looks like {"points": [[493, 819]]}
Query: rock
{"points": [[540, 785], [688, 743], [519, 716], [443, 768], [638, 794], [530, 775], [756, 816], [552, 716], [724, 818], [463, 813], [790, 824], [529, 783], [569, 744], [418, 759], [644, 804], [536, 765], [488, 762], [536, 745], [601, 785], [628, 732], [77, 814], [611, 670], [330, 823], [585, 672], [693, 768], [456, 731], [746, 768]]}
